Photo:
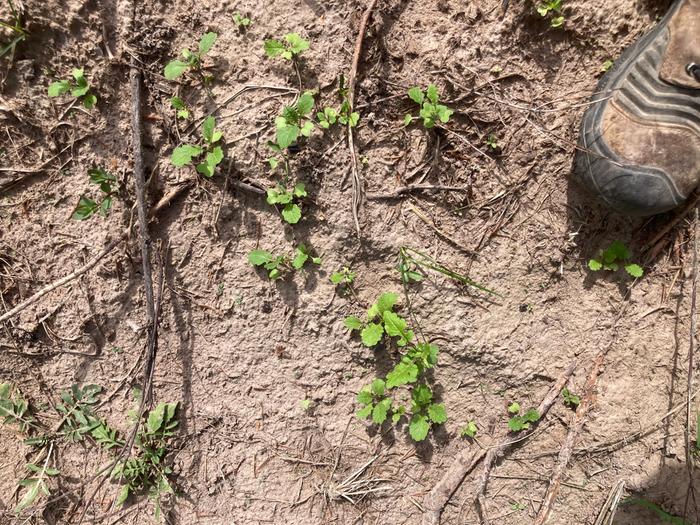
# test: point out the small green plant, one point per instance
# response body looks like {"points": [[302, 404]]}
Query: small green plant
{"points": [[606, 65], [35, 483], [305, 404], [551, 9], [571, 400], [294, 122], [384, 324], [469, 430], [15, 25], [280, 265], [280, 195], [146, 471], [492, 142], [410, 260], [612, 257], [192, 59], [664, 517], [208, 153], [290, 49], [241, 21], [343, 276], [79, 420], [517, 506], [520, 422], [14, 409], [431, 111], [330, 116], [180, 106], [87, 207], [77, 86]]}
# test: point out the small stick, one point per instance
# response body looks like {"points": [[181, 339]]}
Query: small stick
{"points": [[441, 233], [656, 244], [356, 182], [411, 188], [574, 430], [465, 462]]}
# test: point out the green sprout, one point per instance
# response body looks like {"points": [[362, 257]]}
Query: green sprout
{"points": [[209, 152], [552, 9], [612, 257], [78, 87], [192, 59], [87, 207], [290, 49], [431, 111], [279, 266], [241, 21]]}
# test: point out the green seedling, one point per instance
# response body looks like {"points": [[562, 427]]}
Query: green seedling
{"points": [[280, 265], [14, 409], [606, 66], [241, 21], [305, 404], [469, 430], [552, 9], [208, 154], [180, 106], [343, 276], [290, 49], [88, 207], [431, 111], [344, 116], [294, 122], [35, 483], [146, 471], [520, 422], [383, 324], [410, 260], [78, 87], [571, 400], [517, 506], [376, 404], [280, 195], [15, 25], [661, 514], [612, 257], [192, 59], [492, 142]]}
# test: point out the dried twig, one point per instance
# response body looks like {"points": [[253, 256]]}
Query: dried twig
{"points": [[403, 190], [574, 430], [352, 80], [607, 511], [465, 462]]}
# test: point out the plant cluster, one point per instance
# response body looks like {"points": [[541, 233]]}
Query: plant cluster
{"points": [[207, 154], [192, 60], [78, 87], [241, 21], [571, 400], [614, 256], [280, 195], [344, 115], [551, 9], [279, 265], [431, 111], [519, 421], [88, 207], [180, 107], [383, 324], [291, 46]]}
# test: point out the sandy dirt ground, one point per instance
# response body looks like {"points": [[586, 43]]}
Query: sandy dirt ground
{"points": [[241, 354]]}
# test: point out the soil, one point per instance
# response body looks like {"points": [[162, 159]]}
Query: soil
{"points": [[240, 353]]}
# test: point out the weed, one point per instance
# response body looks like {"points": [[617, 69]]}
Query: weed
{"points": [[290, 49], [606, 65], [294, 122], [17, 30], [35, 483], [209, 152], [343, 276], [664, 516], [145, 471], [552, 10], [469, 430], [280, 265], [108, 186], [517, 506], [14, 408], [77, 86], [492, 142], [291, 212], [330, 116], [192, 59], [305, 404], [431, 111], [410, 260], [383, 322], [571, 400], [180, 106], [520, 422], [241, 21], [612, 257]]}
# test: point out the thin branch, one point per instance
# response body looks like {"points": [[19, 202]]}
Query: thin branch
{"points": [[403, 190]]}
